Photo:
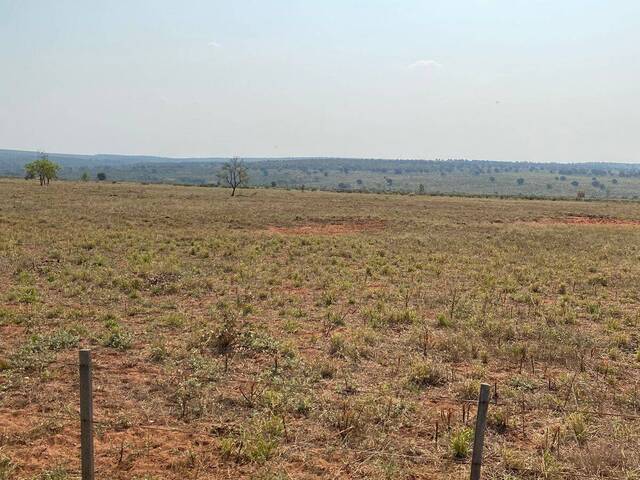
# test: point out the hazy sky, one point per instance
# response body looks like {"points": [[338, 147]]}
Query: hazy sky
{"points": [[492, 79]]}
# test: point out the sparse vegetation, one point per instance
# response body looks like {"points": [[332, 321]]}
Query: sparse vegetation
{"points": [[292, 333]]}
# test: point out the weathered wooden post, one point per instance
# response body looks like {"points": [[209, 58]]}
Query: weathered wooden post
{"points": [[481, 423], [86, 415]]}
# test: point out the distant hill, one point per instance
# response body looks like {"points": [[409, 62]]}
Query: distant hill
{"points": [[453, 176]]}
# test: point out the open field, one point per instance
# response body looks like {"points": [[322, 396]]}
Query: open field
{"points": [[287, 334]]}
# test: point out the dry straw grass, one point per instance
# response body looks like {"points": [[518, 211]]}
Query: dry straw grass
{"points": [[315, 335]]}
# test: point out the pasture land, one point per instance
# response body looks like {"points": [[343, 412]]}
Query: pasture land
{"points": [[287, 334]]}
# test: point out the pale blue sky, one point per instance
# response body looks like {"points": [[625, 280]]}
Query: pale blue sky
{"points": [[493, 79]]}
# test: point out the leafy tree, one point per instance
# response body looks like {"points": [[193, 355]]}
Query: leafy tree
{"points": [[520, 181], [101, 176], [43, 168], [234, 174], [421, 189], [85, 177]]}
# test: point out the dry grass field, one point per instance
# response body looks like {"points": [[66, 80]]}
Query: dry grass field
{"points": [[283, 334]]}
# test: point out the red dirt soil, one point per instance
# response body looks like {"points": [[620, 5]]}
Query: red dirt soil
{"points": [[595, 220], [587, 220]]}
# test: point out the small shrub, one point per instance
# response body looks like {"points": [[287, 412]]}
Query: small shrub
{"points": [[443, 321], [578, 425], [228, 447], [405, 316], [116, 336], [6, 316], [6, 467], [261, 448], [64, 339], [187, 396], [30, 357], [159, 352], [348, 419], [328, 298], [426, 373], [456, 348], [498, 420], [468, 389], [223, 339], [118, 339], [522, 384], [258, 443], [258, 341], [460, 443], [515, 460], [334, 319], [173, 320], [327, 369], [300, 405], [24, 295], [338, 345]]}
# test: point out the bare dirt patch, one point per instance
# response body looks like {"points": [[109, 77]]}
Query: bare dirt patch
{"points": [[333, 228], [586, 220], [599, 220]]}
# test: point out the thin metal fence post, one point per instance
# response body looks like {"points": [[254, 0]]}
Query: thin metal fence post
{"points": [[481, 423], [86, 415]]}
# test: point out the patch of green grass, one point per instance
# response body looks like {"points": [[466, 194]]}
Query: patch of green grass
{"points": [[24, 294], [460, 443], [115, 335], [258, 443]]}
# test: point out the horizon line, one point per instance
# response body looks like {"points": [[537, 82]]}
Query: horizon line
{"points": [[319, 157]]}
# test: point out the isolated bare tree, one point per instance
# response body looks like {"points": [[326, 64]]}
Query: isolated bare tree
{"points": [[234, 174]]}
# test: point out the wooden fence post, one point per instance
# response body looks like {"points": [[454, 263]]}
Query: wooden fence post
{"points": [[481, 423], [86, 415]]}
